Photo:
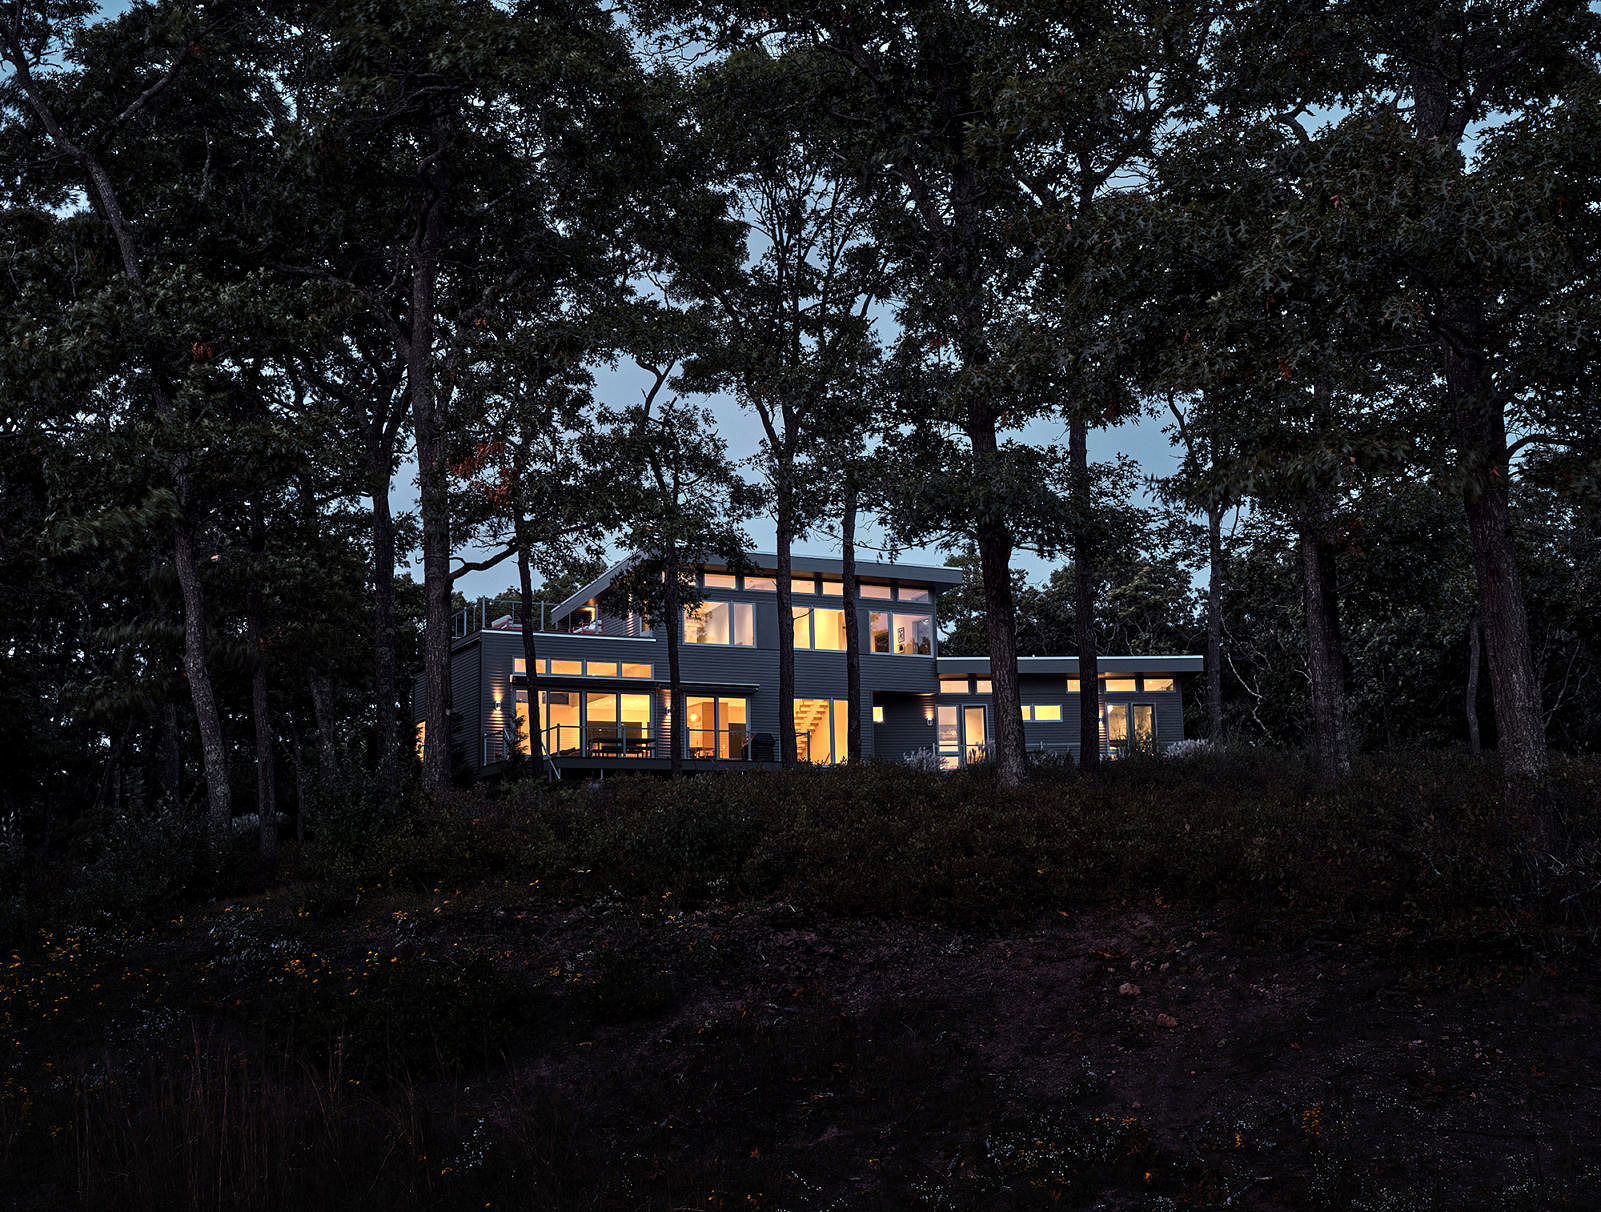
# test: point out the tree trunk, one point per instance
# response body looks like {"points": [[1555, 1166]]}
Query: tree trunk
{"points": [[297, 756], [266, 775], [171, 755], [213, 752], [1089, 674], [322, 707], [386, 676], [1331, 757], [1479, 425], [787, 755], [1000, 625], [1480, 430], [1473, 683], [675, 686], [428, 425], [853, 628], [525, 586], [1214, 622]]}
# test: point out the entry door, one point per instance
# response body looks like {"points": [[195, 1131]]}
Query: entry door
{"points": [[975, 737]]}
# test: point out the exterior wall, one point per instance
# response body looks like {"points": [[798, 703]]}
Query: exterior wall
{"points": [[905, 686], [907, 726], [466, 700]]}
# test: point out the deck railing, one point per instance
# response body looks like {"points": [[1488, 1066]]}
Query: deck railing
{"points": [[569, 741], [501, 614]]}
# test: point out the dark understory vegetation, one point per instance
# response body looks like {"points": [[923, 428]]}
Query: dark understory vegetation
{"points": [[1183, 984]]}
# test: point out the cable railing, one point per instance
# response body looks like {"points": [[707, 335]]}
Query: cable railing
{"points": [[505, 614], [568, 741]]}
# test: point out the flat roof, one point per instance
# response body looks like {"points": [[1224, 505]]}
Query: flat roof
{"points": [[926, 574], [1069, 665]]}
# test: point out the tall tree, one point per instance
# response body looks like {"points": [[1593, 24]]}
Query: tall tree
{"points": [[795, 330], [1401, 195], [683, 503], [126, 126]]}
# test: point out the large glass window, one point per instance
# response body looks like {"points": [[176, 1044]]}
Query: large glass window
{"points": [[975, 737], [904, 633], [949, 737], [720, 623], [819, 627], [1131, 727], [915, 595], [821, 730], [1142, 723], [720, 580], [1042, 712], [1153, 685], [603, 738], [561, 721], [1120, 685], [874, 591], [716, 728]]}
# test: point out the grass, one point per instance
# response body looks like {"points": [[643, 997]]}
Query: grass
{"points": [[372, 1030]]}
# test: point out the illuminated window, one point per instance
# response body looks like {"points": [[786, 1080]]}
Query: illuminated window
{"points": [[720, 580], [761, 585], [1153, 685], [874, 591], [821, 727], [636, 671], [915, 595], [1042, 712], [519, 665], [952, 685], [422, 735], [878, 713], [831, 587], [911, 634], [982, 686], [566, 669], [716, 728], [1131, 727], [819, 627], [1121, 685], [720, 623], [1072, 685], [601, 669], [828, 629], [800, 584]]}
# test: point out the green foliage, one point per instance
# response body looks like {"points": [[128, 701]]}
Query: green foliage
{"points": [[137, 866]]}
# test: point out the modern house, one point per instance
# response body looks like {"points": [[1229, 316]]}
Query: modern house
{"points": [[604, 692]]}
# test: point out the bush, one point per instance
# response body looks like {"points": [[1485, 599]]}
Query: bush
{"points": [[141, 865]]}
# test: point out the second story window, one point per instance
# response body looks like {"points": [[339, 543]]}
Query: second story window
{"points": [[720, 623], [819, 627], [904, 633]]}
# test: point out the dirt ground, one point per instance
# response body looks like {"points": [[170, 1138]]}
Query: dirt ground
{"points": [[1141, 1057]]}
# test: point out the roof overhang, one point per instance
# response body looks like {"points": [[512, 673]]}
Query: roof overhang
{"points": [[1068, 666], [924, 574]]}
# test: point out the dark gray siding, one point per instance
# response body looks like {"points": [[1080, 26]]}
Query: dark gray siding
{"points": [[906, 727], [904, 686], [466, 683]]}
